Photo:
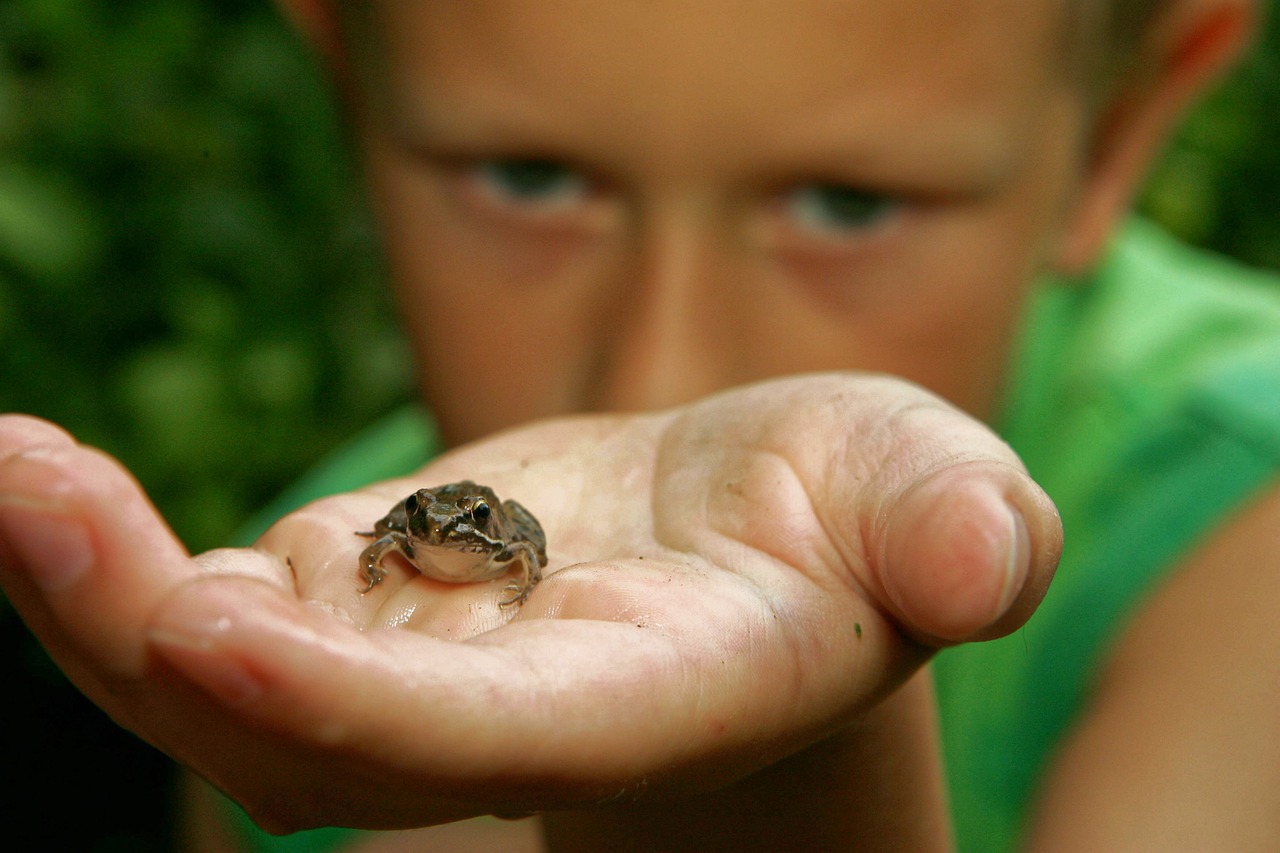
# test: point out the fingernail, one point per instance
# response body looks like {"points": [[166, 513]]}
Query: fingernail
{"points": [[51, 548], [1018, 563], [194, 651]]}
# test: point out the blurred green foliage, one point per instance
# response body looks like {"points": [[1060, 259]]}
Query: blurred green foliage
{"points": [[188, 275], [1219, 179]]}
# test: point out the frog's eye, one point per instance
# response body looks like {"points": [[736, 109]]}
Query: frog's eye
{"points": [[480, 511], [411, 504]]}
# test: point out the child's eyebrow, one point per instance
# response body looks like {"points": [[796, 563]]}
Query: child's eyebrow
{"points": [[952, 150], [959, 149]]}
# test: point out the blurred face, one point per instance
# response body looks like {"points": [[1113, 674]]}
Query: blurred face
{"points": [[618, 206]]}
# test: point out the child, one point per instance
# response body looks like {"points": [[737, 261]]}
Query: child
{"points": [[628, 207]]}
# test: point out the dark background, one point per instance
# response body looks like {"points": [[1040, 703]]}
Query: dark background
{"points": [[188, 279]]}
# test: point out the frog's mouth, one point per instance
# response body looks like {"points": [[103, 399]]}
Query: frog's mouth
{"points": [[453, 564]]}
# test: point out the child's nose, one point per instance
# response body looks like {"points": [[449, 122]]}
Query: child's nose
{"points": [[666, 334]]}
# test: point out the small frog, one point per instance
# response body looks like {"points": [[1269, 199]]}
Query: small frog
{"points": [[459, 533]]}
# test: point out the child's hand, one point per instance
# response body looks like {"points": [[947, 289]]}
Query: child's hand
{"points": [[728, 582]]}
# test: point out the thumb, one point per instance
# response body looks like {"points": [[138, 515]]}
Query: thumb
{"points": [[967, 553]]}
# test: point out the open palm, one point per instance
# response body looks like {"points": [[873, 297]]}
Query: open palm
{"points": [[728, 582]]}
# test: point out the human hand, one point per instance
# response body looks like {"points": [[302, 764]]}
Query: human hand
{"points": [[729, 581]]}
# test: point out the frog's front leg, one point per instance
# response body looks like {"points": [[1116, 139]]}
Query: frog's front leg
{"points": [[527, 555], [371, 557]]}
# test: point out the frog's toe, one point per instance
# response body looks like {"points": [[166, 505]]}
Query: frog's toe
{"points": [[518, 592], [374, 579]]}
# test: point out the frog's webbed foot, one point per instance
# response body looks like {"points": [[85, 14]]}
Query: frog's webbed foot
{"points": [[519, 590], [518, 593]]}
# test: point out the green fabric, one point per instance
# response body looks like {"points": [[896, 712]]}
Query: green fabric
{"points": [[1146, 401], [391, 448]]}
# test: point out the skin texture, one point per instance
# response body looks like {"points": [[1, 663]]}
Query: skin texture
{"points": [[824, 534], [743, 556]]}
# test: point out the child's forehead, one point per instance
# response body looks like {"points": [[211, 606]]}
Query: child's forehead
{"points": [[723, 64], [747, 35]]}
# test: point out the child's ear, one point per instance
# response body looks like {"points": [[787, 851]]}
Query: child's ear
{"points": [[317, 20], [1184, 50]]}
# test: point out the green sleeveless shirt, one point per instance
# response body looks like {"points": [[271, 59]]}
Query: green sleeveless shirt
{"points": [[1146, 401]]}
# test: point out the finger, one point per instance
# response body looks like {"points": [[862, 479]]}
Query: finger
{"points": [[537, 714], [961, 543], [440, 722], [86, 554], [20, 431], [917, 506], [968, 553]]}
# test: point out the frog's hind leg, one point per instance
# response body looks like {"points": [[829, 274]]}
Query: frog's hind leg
{"points": [[528, 557], [371, 558]]}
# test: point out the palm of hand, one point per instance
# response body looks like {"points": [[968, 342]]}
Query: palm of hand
{"points": [[721, 592]]}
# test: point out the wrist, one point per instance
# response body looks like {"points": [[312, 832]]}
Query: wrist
{"points": [[878, 780]]}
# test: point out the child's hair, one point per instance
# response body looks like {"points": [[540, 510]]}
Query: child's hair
{"points": [[1127, 19], [1102, 37]]}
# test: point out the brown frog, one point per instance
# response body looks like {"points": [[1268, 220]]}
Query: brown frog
{"points": [[459, 533]]}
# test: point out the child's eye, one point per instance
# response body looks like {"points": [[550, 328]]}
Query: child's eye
{"points": [[837, 210], [531, 183]]}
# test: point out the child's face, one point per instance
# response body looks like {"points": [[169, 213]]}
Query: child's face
{"points": [[628, 205]]}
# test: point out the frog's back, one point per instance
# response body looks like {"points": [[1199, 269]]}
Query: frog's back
{"points": [[528, 526]]}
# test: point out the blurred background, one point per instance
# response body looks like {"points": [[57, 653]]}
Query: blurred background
{"points": [[189, 280]]}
